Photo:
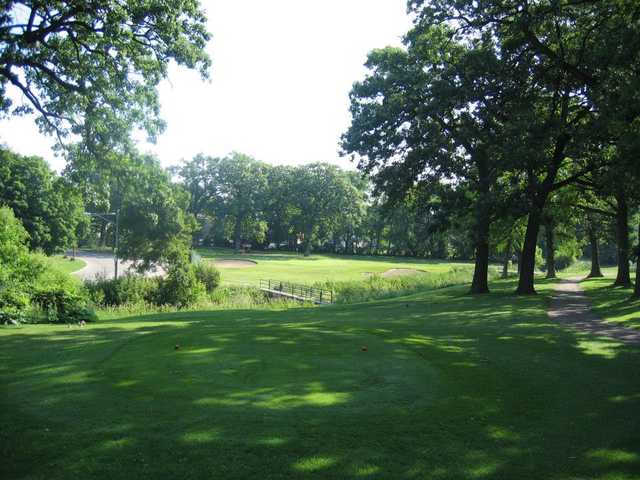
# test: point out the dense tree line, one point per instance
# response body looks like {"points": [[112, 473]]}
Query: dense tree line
{"points": [[509, 105], [499, 131]]}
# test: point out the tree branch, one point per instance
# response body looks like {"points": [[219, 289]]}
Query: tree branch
{"points": [[587, 208]]}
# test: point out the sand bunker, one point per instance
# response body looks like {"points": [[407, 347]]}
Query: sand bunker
{"points": [[400, 272], [234, 263]]}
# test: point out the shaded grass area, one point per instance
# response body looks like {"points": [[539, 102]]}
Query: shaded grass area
{"points": [[67, 265], [450, 387], [293, 267], [613, 304]]}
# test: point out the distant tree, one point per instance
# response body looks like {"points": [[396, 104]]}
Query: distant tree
{"points": [[241, 189], [154, 222], [280, 204], [323, 192], [91, 67], [47, 205]]}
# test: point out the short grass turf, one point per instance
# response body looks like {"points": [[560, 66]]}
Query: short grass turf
{"points": [[294, 267], [440, 385], [613, 304], [67, 265]]}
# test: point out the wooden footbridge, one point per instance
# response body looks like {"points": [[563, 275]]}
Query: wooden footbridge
{"points": [[294, 291]]}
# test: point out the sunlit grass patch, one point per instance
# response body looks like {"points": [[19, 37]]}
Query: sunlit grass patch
{"points": [[613, 304], [438, 384]]}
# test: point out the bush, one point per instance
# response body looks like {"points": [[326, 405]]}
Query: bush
{"points": [[30, 289], [128, 289], [564, 261], [208, 275], [181, 287], [59, 298], [61, 306]]}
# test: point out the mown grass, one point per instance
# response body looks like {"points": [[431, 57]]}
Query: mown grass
{"points": [[439, 385], [614, 304], [292, 267], [67, 265]]}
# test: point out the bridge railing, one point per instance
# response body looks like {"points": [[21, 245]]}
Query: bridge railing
{"points": [[297, 291]]}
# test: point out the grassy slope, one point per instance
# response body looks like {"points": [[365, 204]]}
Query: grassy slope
{"points": [[451, 386], [67, 265], [613, 303], [316, 268]]}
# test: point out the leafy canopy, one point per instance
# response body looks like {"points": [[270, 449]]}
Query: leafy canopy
{"points": [[91, 67]]}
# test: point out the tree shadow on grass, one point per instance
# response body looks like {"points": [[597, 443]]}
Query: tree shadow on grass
{"points": [[614, 303], [443, 385]]}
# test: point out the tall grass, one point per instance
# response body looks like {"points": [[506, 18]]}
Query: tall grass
{"points": [[223, 298], [377, 287]]}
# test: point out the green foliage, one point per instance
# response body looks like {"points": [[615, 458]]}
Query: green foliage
{"points": [[30, 289], [568, 252], [378, 287], [324, 195], [208, 275], [126, 290], [18, 269], [230, 297], [48, 207], [91, 68], [229, 192], [153, 218], [180, 287], [61, 306]]}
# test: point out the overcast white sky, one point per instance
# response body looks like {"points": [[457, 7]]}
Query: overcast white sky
{"points": [[282, 71]]}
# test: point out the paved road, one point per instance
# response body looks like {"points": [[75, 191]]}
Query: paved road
{"points": [[102, 264], [571, 306]]}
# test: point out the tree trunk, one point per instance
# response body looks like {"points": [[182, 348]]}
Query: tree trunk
{"points": [[237, 235], [307, 242], [507, 258], [480, 283], [551, 254], [636, 290], [623, 278], [595, 254], [528, 256]]}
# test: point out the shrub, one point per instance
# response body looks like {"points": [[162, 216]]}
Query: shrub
{"points": [[128, 289], [61, 306], [180, 287], [564, 261], [208, 275], [30, 289], [59, 298]]}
